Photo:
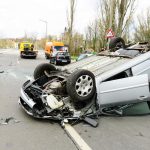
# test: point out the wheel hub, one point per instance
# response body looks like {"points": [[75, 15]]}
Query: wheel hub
{"points": [[84, 85]]}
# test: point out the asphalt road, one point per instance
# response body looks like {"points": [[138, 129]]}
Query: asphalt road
{"points": [[25, 133]]}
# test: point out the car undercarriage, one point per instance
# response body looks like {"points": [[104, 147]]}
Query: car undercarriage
{"points": [[47, 98], [84, 90]]}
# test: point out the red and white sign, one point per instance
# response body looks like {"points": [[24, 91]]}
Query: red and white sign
{"points": [[110, 34]]}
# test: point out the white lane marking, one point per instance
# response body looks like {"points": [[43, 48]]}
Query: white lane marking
{"points": [[29, 78], [76, 138], [9, 51], [3, 51], [13, 74]]}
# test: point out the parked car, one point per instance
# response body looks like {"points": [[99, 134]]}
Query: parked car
{"points": [[52, 47], [97, 85], [60, 58]]}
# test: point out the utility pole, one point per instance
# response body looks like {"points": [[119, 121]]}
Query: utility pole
{"points": [[46, 23]]}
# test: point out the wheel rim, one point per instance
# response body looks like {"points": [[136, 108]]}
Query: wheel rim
{"points": [[84, 85]]}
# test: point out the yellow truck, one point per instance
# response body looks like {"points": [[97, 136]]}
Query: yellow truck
{"points": [[27, 50], [52, 47]]}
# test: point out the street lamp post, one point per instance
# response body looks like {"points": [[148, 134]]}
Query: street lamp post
{"points": [[46, 23]]}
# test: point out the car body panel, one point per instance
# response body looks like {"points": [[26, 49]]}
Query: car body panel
{"points": [[122, 67], [142, 68], [97, 64], [123, 91], [131, 53]]}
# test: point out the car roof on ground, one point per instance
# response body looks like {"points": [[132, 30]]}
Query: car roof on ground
{"points": [[97, 64], [107, 65]]}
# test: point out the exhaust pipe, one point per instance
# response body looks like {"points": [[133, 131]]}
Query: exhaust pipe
{"points": [[27, 100]]}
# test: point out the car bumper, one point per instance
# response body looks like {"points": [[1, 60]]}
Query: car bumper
{"points": [[63, 61], [28, 101], [29, 54], [28, 105]]}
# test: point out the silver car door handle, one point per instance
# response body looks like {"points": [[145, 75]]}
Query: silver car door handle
{"points": [[142, 97]]}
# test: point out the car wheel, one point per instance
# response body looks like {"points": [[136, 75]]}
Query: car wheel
{"points": [[116, 43], [21, 56], [50, 61], [46, 56], [55, 62], [34, 57], [81, 86], [40, 70]]}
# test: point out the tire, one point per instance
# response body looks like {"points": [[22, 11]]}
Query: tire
{"points": [[40, 69], [81, 86], [46, 56], [50, 61], [69, 62], [34, 57], [116, 43], [21, 56], [55, 62]]}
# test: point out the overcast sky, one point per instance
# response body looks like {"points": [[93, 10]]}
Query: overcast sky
{"points": [[18, 17]]}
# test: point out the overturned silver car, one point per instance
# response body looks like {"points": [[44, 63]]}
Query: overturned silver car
{"points": [[97, 85]]}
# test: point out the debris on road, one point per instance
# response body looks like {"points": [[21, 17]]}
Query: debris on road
{"points": [[1, 71], [9, 120]]}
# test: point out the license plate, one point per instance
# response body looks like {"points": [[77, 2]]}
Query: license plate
{"points": [[64, 60]]}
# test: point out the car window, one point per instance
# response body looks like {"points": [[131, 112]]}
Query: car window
{"points": [[124, 74], [26, 45], [63, 54], [59, 48], [60, 54]]}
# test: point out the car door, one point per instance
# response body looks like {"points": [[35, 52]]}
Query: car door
{"points": [[124, 91], [142, 68]]}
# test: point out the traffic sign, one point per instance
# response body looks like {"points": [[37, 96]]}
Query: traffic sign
{"points": [[110, 34]]}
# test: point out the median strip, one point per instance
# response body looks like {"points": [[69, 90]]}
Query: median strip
{"points": [[76, 138]]}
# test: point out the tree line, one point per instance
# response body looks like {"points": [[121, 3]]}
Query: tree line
{"points": [[119, 15]]}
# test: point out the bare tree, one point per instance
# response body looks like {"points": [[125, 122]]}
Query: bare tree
{"points": [[89, 36], [142, 31], [120, 19], [125, 10], [71, 19], [92, 35]]}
